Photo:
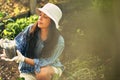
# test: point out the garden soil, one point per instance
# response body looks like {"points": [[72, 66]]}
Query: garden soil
{"points": [[8, 70]]}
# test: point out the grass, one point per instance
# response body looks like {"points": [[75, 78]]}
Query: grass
{"points": [[84, 69]]}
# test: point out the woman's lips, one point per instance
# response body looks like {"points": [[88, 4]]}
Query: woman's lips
{"points": [[39, 22]]}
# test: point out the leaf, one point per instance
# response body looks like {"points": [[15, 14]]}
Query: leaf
{"points": [[22, 78], [1, 24], [16, 10]]}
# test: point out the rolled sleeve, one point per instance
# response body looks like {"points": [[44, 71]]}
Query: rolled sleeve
{"points": [[37, 67], [48, 61]]}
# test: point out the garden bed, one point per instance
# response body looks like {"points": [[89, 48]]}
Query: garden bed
{"points": [[12, 8], [8, 70]]}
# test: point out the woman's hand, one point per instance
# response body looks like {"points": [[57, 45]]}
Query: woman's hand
{"points": [[3, 55], [19, 58]]}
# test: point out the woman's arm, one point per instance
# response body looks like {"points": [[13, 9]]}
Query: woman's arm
{"points": [[29, 61]]}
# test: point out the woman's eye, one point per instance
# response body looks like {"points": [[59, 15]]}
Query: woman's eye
{"points": [[45, 16], [40, 15]]}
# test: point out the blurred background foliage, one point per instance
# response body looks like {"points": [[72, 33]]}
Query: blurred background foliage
{"points": [[91, 32]]}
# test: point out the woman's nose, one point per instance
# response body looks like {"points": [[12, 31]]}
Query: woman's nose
{"points": [[40, 18]]}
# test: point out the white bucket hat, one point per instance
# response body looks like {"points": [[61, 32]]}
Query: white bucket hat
{"points": [[52, 11]]}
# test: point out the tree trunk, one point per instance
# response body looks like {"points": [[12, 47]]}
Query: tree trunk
{"points": [[33, 6]]}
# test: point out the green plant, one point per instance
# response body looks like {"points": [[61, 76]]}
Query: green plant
{"points": [[0, 78], [16, 10], [12, 28], [102, 4], [21, 78], [88, 68], [1, 15]]}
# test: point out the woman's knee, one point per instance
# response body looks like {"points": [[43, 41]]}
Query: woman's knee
{"points": [[45, 74], [42, 76]]}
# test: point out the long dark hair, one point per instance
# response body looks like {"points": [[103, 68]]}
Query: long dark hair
{"points": [[49, 44]]}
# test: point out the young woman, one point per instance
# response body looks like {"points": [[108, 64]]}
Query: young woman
{"points": [[40, 45]]}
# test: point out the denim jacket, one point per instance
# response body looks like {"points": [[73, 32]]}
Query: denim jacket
{"points": [[21, 44]]}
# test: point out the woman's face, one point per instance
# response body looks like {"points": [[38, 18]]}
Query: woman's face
{"points": [[43, 21]]}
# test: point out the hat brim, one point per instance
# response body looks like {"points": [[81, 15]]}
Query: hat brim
{"points": [[39, 10]]}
